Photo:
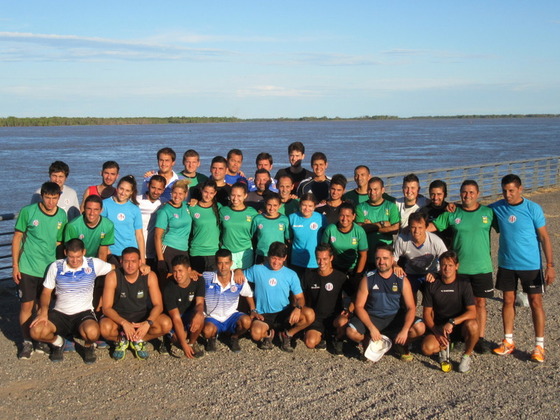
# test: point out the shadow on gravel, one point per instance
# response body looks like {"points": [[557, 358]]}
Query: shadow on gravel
{"points": [[9, 312]]}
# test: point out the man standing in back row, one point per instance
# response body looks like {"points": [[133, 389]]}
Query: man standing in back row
{"points": [[522, 229]]}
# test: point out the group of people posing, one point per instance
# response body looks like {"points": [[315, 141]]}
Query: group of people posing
{"points": [[169, 264]]}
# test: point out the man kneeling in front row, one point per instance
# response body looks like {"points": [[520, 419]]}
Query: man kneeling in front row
{"points": [[132, 307], [74, 279], [449, 303]]}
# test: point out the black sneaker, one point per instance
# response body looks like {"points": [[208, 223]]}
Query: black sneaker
{"points": [[286, 342], [266, 343], [164, 346], [25, 351], [42, 348], [211, 344], [89, 355], [322, 345], [338, 347], [198, 351], [482, 346], [57, 354], [234, 345]]}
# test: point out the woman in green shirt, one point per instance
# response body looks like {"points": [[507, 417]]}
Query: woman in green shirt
{"points": [[270, 226]]}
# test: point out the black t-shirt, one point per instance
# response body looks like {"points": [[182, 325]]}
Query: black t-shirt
{"points": [[322, 294], [330, 212], [296, 177], [432, 213], [181, 298], [222, 195], [447, 300]]}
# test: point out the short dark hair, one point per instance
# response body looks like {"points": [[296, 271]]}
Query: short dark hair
{"points": [[223, 253], [92, 198], [219, 159], [410, 178], [240, 185], [438, 183], [385, 247], [111, 164], [362, 166], [286, 176], [296, 146], [263, 156], [130, 250], [308, 196], [50, 188], [190, 153], [324, 247], [339, 179], [74, 245], [318, 156], [278, 249], [418, 217], [511, 178], [236, 152], [180, 259], [374, 179], [271, 195], [159, 178], [451, 255], [167, 151], [469, 182], [262, 171], [347, 205], [59, 166]]}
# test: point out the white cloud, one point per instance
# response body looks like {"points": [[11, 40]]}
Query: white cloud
{"points": [[277, 91]]}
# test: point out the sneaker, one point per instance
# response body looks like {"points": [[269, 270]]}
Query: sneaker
{"points": [[89, 355], [139, 349], [234, 345], [404, 353], [25, 351], [57, 354], [101, 344], [465, 364], [504, 348], [120, 349], [538, 355], [482, 346], [286, 342], [442, 357], [69, 346], [198, 351], [266, 343], [164, 346], [322, 345], [211, 344], [42, 348], [338, 347]]}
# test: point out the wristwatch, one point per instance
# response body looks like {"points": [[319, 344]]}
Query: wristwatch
{"points": [[298, 306], [451, 321], [150, 322]]}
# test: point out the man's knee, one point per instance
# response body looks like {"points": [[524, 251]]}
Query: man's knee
{"points": [[509, 298], [480, 303], [535, 301], [312, 338], [89, 330], [209, 330], [354, 335], [244, 322], [307, 315], [258, 330], [108, 328], [163, 324], [417, 330], [430, 345]]}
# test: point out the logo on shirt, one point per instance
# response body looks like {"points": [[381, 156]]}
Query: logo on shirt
{"points": [[354, 241], [512, 219], [233, 289], [197, 215], [67, 201], [175, 215], [281, 227], [457, 220], [102, 235], [121, 216], [272, 282], [191, 297], [314, 226], [260, 226], [140, 294], [365, 212], [249, 219], [226, 218], [329, 287], [485, 219], [387, 212], [35, 222], [123, 295], [333, 239], [81, 236], [88, 270], [375, 287], [395, 287], [59, 225]]}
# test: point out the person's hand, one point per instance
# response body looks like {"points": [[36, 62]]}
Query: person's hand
{"points": [[295, 316], [256, 315], [150, 174], [401, 337], [451, 207], [430, 278], [145, 269], [40, 319], [447, 329], [16, 275], [374, 334], [441, 338], [398, 270], [238, 276], [141, 329], [549, 275], [197, 322], [129, 330], [189, 351]]}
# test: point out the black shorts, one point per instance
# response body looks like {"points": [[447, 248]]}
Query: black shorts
{"points": [[169, 253], [30, 288], [67, 325], [531, 280], [390, 325], [323, 324], [115, 260], [136, 316], [456, 335], [201, 263], [279, 320], [482, 284]]}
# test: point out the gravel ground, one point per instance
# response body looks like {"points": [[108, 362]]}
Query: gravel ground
{"points": [[304, 384]]}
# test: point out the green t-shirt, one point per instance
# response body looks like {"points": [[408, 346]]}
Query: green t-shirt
{"points": [[346, 246], [236, 228], [471, 237], [267, 231], [195, 180], [176, 223], [355, 198], [41, 235], [384, 212], [101, 235], [292, 206], [205, 232]]}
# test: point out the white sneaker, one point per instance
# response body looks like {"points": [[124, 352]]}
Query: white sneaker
{"points": [[465, 364]]}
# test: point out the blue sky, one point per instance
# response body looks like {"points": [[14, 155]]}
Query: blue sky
{"points": [[282, 59]]}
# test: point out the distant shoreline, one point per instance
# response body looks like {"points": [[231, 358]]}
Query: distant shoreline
{"points": [[74, 121]]}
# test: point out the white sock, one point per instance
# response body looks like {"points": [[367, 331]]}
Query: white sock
{"points": [[540, 341], [509, 338], [58, 341]]}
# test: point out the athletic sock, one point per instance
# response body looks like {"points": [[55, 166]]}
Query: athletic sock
{"points": [[540, 341], [58, 341], [509, 338]]}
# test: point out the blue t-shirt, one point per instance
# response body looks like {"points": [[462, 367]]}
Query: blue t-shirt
{"points": [[306, 235], [272, 287], [127, 220], [519, 243]]}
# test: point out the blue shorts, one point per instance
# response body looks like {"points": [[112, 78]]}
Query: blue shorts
{"points": [[229, 325]]}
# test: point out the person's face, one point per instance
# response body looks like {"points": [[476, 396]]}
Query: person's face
{"points": [[324, 260], [208, 194], [296, 158], [50, 201], [124, 192], [130, 263], [437, 196], [285, 186], [361, 177], [336, 191], [264, 164], [410, 191], [165, 163], [418, 231], [346, 218], [512, 193], [92, 212], [218, 171], [58, 177], [448, 268], [307, 208], [191, 164], [155, 190], [319, 167], [237, 197], [375, 192], [234, 163], [383, 260], [469, 196], [276, 263], [260, 181], [178, 195], [109, 176], [181, 274], [272, 206], [74, 259], [224, 265]]}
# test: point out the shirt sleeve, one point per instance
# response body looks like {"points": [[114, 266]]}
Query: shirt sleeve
{"points": [[295, 284], [21, 222], [162, 221], [101, 267], [246, 290], [362, 239], [60, 232], [427, 297], [442, 221], [169, 300], [394, 214], [50, 278], [200, 287], [109, 238]]}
